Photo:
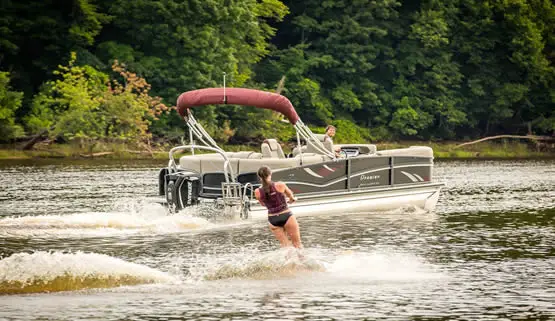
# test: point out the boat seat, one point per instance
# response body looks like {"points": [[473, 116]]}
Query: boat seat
{"points": [[309, 147], [240, 154], [296, 150], [204, 164], [250, 162], [271, 149], [328, 144], [243, 155], [412, 151], [312, 158], [215, 163], [252, 165]]}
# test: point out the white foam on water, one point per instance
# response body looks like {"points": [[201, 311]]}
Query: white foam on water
{"points": [[382, 265], [130, 217], [286, 262], [334, 265], [57, 271]]}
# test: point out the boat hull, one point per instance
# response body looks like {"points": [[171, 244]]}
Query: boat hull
{"points": [[382, 181], [423, 196]]}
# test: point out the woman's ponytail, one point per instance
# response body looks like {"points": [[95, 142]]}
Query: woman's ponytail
{"points": [[263, 173]]}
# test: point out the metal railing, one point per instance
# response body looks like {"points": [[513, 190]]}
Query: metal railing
{"points": [[310, 138], [228, 170]]}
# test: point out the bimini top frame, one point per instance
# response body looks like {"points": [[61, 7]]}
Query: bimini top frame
{"points": [[247, 97]]}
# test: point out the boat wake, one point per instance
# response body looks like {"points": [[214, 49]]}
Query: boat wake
{"points": [[382, 265], [331, 265], [41, 272], [146, 218], [56, 271], [283, 263]]}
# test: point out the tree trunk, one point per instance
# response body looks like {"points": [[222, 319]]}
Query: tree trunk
{"points": [[532, 137], [30, 144]]}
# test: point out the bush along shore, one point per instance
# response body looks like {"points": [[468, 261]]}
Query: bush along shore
{"points": [[379, 71], [498, 149]]}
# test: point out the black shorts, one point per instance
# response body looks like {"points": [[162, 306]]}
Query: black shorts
{"points": [[279, 220]]}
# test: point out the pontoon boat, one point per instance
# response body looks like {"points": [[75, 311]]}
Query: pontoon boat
{"points": [[359, 179]]}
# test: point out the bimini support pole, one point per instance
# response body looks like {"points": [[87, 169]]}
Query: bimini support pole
{"points": [[201, 133], [225, 96], [191, 141], [299, 146], [311, 139]]}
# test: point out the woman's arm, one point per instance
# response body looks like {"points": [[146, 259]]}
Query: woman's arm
{"points": [[257, 195], [282, 188]]}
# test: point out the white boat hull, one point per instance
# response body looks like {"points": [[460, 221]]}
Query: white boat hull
{"points": [[422, 196]]}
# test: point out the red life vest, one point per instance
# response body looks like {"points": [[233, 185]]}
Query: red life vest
{"points": [[274, 201]]}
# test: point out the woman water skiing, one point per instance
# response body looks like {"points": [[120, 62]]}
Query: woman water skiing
{"points": [[281, 220]]}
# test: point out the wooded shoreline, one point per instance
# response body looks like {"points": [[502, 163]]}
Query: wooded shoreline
{"points": [[377, 70], [442, 150]]}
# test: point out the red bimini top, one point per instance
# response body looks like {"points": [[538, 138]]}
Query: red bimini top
{"points": [[236, 96]]}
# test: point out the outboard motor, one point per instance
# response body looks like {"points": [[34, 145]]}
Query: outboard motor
{"points": [[180, 188], [162, 180]]}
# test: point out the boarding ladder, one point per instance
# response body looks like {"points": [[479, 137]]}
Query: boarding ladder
{"points": [[235, 195]]}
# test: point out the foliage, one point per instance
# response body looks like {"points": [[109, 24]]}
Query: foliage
{"points": [[128, 109], [36, 36], [380, 70], [66, 107], [423, 69], [350, 133], [10, 101], [84, 104], [183, 45]]}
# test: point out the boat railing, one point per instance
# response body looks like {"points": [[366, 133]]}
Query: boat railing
{"points": [[246, 188], [196, 128], [228, 170], [311, 139]]}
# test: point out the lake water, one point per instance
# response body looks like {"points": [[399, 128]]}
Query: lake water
{"points": [[486, 253]]}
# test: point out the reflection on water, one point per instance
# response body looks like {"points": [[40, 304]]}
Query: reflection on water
{"points": [[89, 231]]}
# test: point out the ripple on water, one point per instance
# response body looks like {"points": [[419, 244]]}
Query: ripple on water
{"points": [[486, 253]]}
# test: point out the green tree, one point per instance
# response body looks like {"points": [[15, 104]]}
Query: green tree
{"points": [[36, 36], [330, 53], [84, 104], [66, 107], [505, 49], [185, 45], [428, 68], [127, 109], [392, 68], [425, 94], [10, 101]]}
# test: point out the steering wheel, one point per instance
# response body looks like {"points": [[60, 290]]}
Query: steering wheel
{"points": [[343, 154]]}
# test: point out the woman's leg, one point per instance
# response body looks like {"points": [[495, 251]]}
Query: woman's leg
{"points": [[292, 228], [279, 233]]}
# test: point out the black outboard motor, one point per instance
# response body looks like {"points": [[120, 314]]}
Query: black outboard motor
{"points": [[181, 188], [162, 180]]}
